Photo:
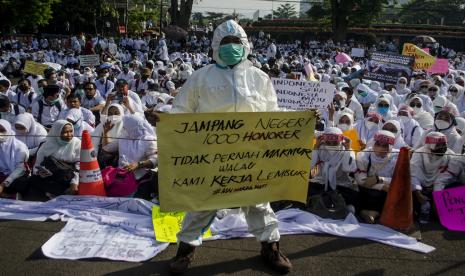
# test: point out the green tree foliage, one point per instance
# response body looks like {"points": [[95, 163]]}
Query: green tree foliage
{"points": [[429, 11], [20, 13], [198, 18], [285, 11]]}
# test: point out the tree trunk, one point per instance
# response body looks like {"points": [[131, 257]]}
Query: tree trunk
{"points": [[339, 19], [174, 11], [181, 14]]}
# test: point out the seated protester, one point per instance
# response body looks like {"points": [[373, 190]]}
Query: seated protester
{"points": [[30, 132], [424, 118], [73, 101], [367, 128], [103, 82], [394, 127], [76, 118], [166, 85], [457, 96], [353, 104], [422, 92], [365, 96], [411, 129], [428, 163], [345, 120], [334, 165], [8, 110], [151, 98], [460, 127], [115, 118], [25, 94], [13, 157], [401, 91], [128, 99], [40, 90], [126, 74], [375, 166], [34, 80], [441, 102], [47, 109], [383, 107], [445, 123], [138, 151], [61, 145], [5, 90], [51, 77], [141, 85], [92, 100]]}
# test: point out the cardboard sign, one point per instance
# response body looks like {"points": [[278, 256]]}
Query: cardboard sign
{"points": [[34, 68], [423, 60], [89, 60], [450, 204], [303, 95], [357, 52], [388, 68], [223, 160], [167, 225]]}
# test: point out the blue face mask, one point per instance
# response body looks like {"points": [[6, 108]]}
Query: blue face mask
{"points": [[383, 110], [362, 93], [232, 53]]}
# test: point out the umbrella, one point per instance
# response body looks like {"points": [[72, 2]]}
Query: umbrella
{"points": [[423, 39], [175, 32]]}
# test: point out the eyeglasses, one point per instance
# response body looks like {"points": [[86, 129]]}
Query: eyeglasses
{"points": [[415, 105], [453, 90]]}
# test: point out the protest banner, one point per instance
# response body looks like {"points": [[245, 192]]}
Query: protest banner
{"points": [[89, 60], [357, 52], [441, 66], [303, 95], [210, 161], [388, 68], [34, 68], [450, 204], [167, 225], [423, 60]]}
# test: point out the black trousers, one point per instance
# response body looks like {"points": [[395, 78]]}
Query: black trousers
{"points": [[20, 185], [351, 197], [371, 199], [49, 185]]}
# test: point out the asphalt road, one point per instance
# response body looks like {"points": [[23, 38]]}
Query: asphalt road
{"points": [[20, 254]]}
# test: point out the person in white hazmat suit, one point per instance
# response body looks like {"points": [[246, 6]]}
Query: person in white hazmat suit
{"points": [[233, 84]]}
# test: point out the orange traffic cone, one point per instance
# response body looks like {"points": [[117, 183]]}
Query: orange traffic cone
{"points": [[398, 208], [90, 177]]}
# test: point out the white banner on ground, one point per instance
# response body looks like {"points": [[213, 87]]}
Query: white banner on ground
{"points": [[303, 95], [85, 239]]}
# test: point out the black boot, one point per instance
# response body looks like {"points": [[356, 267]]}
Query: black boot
{"points": [[180, 264], [275, 258]]}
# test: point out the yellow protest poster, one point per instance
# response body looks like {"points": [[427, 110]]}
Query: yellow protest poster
{"points": [[167, 225], [353, 136], [423, 60], [34, 67], [210, 161]]}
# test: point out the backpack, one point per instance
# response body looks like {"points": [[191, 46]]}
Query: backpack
{"points": [[41, 110]]}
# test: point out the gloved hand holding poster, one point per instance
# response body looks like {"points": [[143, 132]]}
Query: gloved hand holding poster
{"points": [[210, 161]]}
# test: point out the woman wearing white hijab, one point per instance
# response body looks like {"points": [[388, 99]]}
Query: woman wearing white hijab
{"points": [[60, 145], [383, 107], [423, 117], [395, 128], [334, 161], [74, 116], [138, 150], [115, 118], [457, 96], [13, 157], [367, 128], [428, 164], [411, 129], [30, 132], [460, 127]]}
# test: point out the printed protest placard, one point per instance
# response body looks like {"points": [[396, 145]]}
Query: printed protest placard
{"points": [[441, 66], [89, 60], [167, 225], [303, 95], [210, 161], [450, 204], [357, 52], [388, 68], [423, 60], [34, 68]]}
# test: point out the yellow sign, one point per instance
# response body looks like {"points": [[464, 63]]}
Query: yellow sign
{"points": [[423, 60], [167, 225], [34, 68], [353, 136], [210, 161]]}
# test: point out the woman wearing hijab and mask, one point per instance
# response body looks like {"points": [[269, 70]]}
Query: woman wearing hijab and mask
{"points": [[334, 160], [382, 106], [137, 150], [424, 118], [367, 128], [441, 102], [365, 96], [61, 145], [74, 116], [30, 132], [411, 129], [115, 117], [13, 157], [428, 163], [456, 95], [375, 166]]}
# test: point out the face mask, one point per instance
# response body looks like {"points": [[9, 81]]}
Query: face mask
{"points": [[114, 119], [342, 103], [439, 152], [3, 137], [404, 119], [62, 142], [371, 125], [343, 127], [417, 110], [363, 94], [383, 110], [401, 86], [441, 125], [53, 102], [232, 53], [331, 148]]}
